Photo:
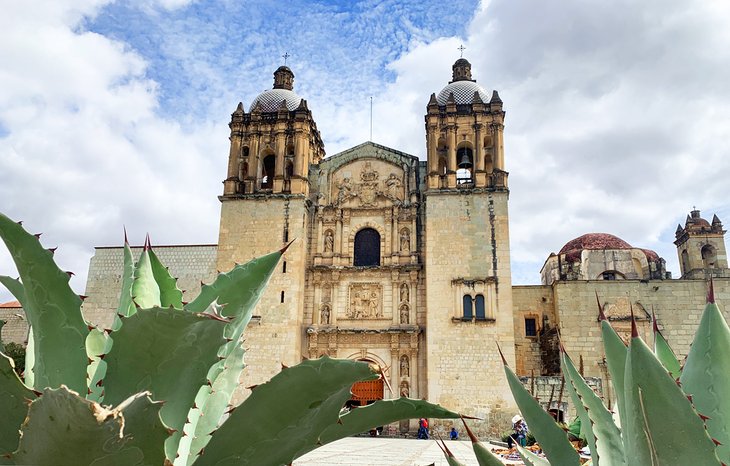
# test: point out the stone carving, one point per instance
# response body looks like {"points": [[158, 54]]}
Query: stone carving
{"points": [[404, 293], [329, 241], [404, 366], [404, 390], [393, 185], [404, 314], [345, 191], [405, 240], [365, 301], [621, 310], [324, 315]]}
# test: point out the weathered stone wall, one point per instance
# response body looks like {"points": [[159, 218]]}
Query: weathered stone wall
{"points": [[15, 329], [531, 302], [190, 264], [547, 391], [250, 227], [467, 244]]}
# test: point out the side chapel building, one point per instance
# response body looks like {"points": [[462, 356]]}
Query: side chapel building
{"points": [[373, 274]]}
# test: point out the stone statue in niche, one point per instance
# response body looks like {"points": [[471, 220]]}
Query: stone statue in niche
{"points": [[405, 240], [404, 391], [404, 293], [365, 302], [393, 187], [404, 366], [404, 314], [329, 241], [324, 315]]}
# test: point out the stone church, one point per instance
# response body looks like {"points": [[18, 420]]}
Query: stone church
{"points": [[374, 274]]}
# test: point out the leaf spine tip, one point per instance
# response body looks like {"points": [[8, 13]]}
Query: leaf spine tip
{"points": [[601, 315], [38, 235], [634, 329], [70, 274], [711, 293], [504, 361]]}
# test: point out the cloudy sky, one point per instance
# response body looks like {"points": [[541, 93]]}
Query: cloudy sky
{"points": [[115, 113]]}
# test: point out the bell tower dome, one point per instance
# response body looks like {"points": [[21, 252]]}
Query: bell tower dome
{"points": [[464, 135], [273, 144], [701, 247]]}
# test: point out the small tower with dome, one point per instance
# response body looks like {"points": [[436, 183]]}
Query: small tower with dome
{"points": [[464, 140], [701, 247], [273, 143]]}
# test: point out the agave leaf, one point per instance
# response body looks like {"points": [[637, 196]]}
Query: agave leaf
{"points": [[214, 402], [170, 294], [381, 413], [239, 289], [145, 290], [665, 354], [126, 300], [604, 437], [531, 459], [73, 431], [484, 456], [29, 360], [661, 421], [98, 343], [2, 346], [705, 376], [52, 308], [450, 458], [143, 427], [615, 349], [13, 407], [167, 353], [276, 423], [553, 440]]}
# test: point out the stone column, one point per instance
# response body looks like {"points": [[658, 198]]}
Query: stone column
{"points": [[338, 234], [433, 163], [451, 160]]}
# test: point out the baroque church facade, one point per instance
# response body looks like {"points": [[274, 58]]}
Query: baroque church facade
{"points": [[372, 274]]}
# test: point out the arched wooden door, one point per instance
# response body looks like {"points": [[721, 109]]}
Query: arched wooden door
{"points": [[366, 392]]}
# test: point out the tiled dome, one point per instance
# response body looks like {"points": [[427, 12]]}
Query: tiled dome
{"points": [[463, 92], [595, 241], [271, 100]]}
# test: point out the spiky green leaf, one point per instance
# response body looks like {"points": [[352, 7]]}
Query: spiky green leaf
{"points": [[553, 440], [53, 311], [13, 407], [615, 350], [531, 459], [381, 413], [170, 294], [484, 456], [126, 300], [143, 427], [167, 353], [661, 426], [145, 290], [64, 429], [666, 355], [706, 376], [29, 360], [276, 424], [602, 434]]}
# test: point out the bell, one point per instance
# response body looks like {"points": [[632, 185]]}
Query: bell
{"points": [[465, 160]]}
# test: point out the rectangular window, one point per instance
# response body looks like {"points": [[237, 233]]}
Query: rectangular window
{"points": [[530, 327]]}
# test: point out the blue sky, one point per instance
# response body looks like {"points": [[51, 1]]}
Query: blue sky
{"points": [[115, 113]]}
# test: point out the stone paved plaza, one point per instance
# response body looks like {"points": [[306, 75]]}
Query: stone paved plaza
{"points": [[363, 451]]}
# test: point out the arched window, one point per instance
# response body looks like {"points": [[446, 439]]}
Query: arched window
{"points": [[442, 166], [480, 309], [465, 164], [289, 171], [367, 248], [467, 304], [267, 175], [244, 151], [685, 262], [709, 256]]}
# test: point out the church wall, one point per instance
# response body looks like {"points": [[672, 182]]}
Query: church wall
{"points": [[465, 232], [15, 329], [531, 302], [678, 305], [251, 227], [189, 264]]}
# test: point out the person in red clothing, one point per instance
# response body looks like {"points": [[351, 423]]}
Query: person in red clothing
{"points": [[423, 428]]}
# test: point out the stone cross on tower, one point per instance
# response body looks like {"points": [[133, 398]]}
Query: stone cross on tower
{"points": [[461, 49], [285, 56]]}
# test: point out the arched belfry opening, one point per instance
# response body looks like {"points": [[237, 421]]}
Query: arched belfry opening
{"points": [[267, 172], [367, 248]]}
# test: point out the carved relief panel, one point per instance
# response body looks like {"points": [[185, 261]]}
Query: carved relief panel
{"points": [[365, 301]]}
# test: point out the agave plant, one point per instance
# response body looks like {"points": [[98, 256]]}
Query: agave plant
{"points": [[156, 388], [669, 414]]}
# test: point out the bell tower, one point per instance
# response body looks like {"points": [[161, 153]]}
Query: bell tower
{"points": [[265, 205], [466, 254], [701, 247], [273, 145], [464, 139]]}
